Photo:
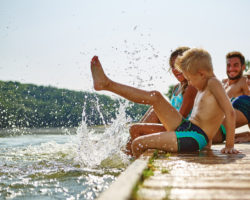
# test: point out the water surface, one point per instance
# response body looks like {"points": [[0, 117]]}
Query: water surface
{"points": [[59, 163]]}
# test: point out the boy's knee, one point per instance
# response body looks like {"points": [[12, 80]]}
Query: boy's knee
{"points": [[133, 128], [137, 144], [155, 95], [133, 131]]}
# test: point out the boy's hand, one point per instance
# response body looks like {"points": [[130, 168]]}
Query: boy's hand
{"points": [[229, 150]]}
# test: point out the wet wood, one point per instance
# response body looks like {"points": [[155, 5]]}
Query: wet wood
{"points": [[202, 175]]}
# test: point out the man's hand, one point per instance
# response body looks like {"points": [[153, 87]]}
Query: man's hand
{"points": [[229, 150]]}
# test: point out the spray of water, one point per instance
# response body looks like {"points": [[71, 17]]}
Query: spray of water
{"points": [[105, 148]]}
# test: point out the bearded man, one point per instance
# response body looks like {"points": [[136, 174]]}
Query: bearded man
{"points": [[236, 86]]}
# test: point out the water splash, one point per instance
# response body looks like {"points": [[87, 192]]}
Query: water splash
{"points": [[98, 109], [104, 148], [47, 169]]}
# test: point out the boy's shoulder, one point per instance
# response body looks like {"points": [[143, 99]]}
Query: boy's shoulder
{"points": [[214, 83]]}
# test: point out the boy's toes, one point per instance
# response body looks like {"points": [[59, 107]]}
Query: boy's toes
{"points": [[94, 60]]}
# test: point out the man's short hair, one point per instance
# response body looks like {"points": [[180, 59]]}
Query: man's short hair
{"points": [[238, 55]]}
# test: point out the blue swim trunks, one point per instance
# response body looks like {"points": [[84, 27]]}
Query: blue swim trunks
{"points": [[242, 103], [190, 137]]}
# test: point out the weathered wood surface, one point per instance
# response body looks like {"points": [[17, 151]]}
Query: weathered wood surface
{"points": [[208, 174], [202, 175]]}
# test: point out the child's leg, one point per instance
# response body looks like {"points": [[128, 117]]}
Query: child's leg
{"points": [[165, 141], [241, 120], [242, 137], [217, 139], [168, 115], [150, 117], [141, 129]]}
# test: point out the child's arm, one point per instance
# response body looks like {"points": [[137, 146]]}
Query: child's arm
{"points": [[220, 95], [188, 101]]}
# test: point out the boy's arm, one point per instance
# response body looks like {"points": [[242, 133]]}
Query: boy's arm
{"points": [[221, 97]]}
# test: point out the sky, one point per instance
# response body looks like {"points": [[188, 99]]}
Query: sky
{"points": [[51, 42]]}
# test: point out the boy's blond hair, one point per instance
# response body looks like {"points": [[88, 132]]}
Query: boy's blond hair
{"points": [[194, 59]]}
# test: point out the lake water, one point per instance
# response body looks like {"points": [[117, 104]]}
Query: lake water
{"points": [[60, 163]]}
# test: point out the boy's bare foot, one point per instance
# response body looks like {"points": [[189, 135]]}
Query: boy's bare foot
{"points": [[101, 81]]}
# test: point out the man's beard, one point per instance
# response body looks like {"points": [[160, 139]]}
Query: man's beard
{"points": [[235, 77]]}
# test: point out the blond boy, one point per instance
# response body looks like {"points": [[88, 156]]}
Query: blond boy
{"points": [[210, 107]]}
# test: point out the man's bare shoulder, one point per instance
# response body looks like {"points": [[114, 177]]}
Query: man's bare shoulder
{"points": [[241, 83], [243, 80], [244, 85]]}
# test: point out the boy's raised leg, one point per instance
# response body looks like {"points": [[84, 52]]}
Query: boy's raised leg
{"points": [[168, 115]]}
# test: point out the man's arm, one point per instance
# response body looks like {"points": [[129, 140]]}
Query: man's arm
{"points": [[221, 97], [245, 87]]}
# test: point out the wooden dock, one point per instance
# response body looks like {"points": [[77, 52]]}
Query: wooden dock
{"points": [[207, 174]]}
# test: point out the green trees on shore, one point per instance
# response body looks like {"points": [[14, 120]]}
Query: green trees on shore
{"points": [[247, 65], [28, 105]]}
